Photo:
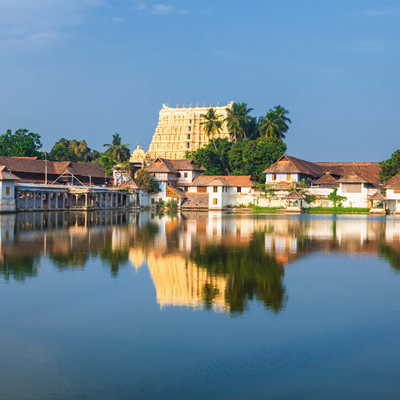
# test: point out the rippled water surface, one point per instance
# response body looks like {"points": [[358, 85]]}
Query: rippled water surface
{"points": [[199, 306]]}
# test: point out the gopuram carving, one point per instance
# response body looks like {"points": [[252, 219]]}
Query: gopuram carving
{"points": [[179, 131]]}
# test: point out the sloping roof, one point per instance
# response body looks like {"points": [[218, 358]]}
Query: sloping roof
{"points": [[326, 179], [294, 196], [393, 182], [131, 184], [241, 181], [29, 165], [7, 176], [354, 178], [377, 196], [160, 165], [369, 170], [196, 200], [288, 164], [185, 165], [178, 192], [218, 182]]}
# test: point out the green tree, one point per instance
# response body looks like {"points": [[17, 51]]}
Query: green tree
{"points": [[107, 162], [252, 157], [146, 182], [274, 124], [117, 150], [237, 119], [62, 151], [336, 199], [21, 143], [390, 167], [214, 157], [212, 124]]}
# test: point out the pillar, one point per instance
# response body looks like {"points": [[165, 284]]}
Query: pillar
{"points": [[41, 200], [34, 200], [63, 200], [17, 205], [86, 200], [56, 200]]}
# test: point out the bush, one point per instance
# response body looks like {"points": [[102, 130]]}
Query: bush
{"points": [[172, 203]]}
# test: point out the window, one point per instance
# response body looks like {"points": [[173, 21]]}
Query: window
{"points": [[185, 175], [152, 201], [190, 129], [239, 189], [351, 188], [215, 202], [274, 177], [190, 121], [179, 174], [188, 136], [396, 191], [187, 145], [215, 189], [186, 188], [201, 189], [288, 177], [7, 189]]}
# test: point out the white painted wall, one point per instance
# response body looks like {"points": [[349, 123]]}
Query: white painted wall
{"points": [[282, 178], [7, 201]]}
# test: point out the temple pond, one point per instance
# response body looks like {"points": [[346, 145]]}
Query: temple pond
{"points": [[111, 305]]}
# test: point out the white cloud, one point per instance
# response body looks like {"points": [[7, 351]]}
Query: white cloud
{"points": [[117, 20], [161, 9], [383, 11], [40, 22], [139, 5]]}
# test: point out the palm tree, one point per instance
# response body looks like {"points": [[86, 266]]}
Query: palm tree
{"points": [[116, 150], [212, 124], [237, 119], [274, 123]]}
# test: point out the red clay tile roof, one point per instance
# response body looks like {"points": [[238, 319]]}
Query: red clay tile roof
{"points": [[173, 166], [377, 196], [355, 178], [7, 176], [326, 179], [370, 170], [28, 165], [294, 196], [129, 183], [241, 181], [185, 165], [178, 192], [196, 200], [393, 182], [288, 164]]}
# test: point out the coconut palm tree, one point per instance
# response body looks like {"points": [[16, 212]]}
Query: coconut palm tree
{"points": [[116, 150], [212, 124], [237, 119], [274, 124]]}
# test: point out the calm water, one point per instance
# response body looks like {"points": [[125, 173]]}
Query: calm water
{"points": [[199, 306]]}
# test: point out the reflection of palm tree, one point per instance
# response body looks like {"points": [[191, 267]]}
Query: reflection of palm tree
{"points": [[19, 267], [115, 258]]}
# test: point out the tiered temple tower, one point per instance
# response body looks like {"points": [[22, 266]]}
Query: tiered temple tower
{"points": [[179, 131]]}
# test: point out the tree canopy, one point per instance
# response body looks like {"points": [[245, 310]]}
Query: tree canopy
{"points": [[21, 143], [146, 182], [390, 167], [72, 150], [118, 151]]}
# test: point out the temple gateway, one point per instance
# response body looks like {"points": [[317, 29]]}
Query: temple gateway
{"points": [[179, 131]]}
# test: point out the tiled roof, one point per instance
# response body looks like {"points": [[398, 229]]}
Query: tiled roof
{"points": [[370, 170], [294, 196], [218, 182], [354, 178], [241, 181], [196, 200], [326, 179], [377, 196], [7, 176], [185, 165], [393, 183], [165, 165], [129, 183], [288, 164], [177, 191], [29, 165]]}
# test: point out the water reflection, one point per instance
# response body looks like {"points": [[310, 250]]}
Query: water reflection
{"points": [[196, 260]]}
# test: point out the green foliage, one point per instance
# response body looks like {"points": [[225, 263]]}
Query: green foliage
{"points": [[274, 123], [390, 167], [336, 199], [310, 198], [72, 150], [107, 162], [172, 203], [21, 143], [160, 203], [117, 150], [338, 210], [212, 124], [252, 157], [214, 157], [146, 182], [238, 119]]}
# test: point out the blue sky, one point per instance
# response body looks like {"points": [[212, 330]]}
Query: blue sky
{"points": [[86, 69]]}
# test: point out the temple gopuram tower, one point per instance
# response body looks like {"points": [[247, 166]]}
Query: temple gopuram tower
{"points": [[179, 131]]}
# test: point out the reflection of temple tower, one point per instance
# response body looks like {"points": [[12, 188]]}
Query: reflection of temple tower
{"points": [[179, 131]]}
